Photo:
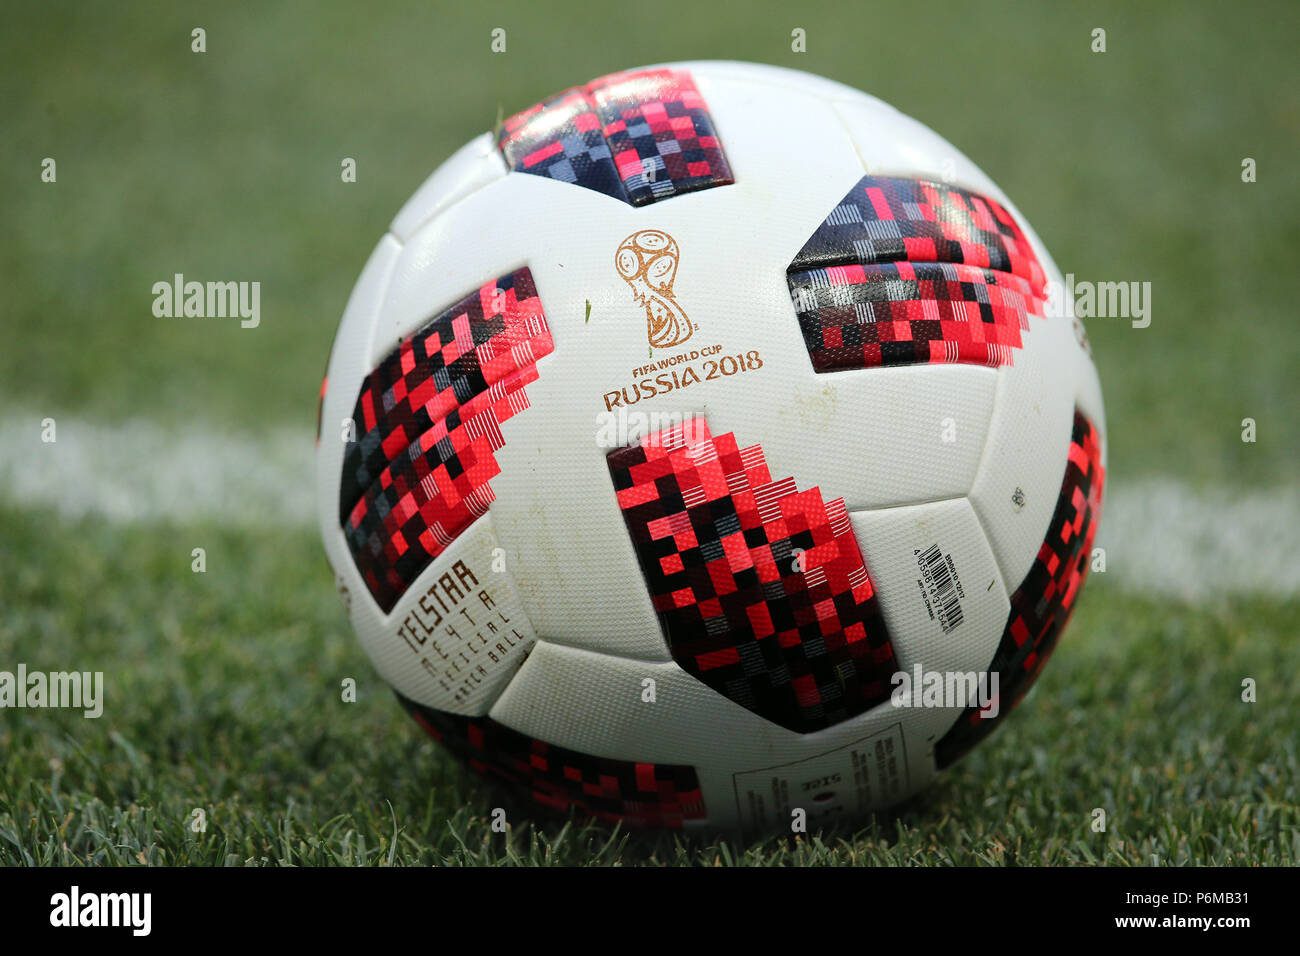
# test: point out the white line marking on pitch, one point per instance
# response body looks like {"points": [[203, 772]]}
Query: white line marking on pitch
{"points": [[1162, 537], [140, 471]]}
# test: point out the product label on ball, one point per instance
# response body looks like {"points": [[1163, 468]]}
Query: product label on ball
{"points": [[843, 783], [464, 626], [940, 587]]}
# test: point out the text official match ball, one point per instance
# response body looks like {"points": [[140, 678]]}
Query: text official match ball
{"points": [[706, 448]]}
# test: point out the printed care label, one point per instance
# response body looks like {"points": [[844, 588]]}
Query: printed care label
{"points": [[840, 783]]}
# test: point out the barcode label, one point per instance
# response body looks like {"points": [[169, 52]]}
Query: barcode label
{"points": [[941, 587]]}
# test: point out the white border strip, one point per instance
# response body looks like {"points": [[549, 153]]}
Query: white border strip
{"points": [[1161, 537]]}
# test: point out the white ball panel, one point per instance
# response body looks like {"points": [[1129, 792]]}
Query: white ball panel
{"points": [[564, 534], [1029, 439], [891, 143], [874, 437], [593, 703], [470, 168], [889, 539]]}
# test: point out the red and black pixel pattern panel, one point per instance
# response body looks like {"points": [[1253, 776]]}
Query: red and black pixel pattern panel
{"points": [[640, 136], [636, 794], [427, 424], [797, 638], [905, 271], [1041, 606]]}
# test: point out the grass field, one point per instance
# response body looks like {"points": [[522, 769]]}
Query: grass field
{"points": [[224, 686]]}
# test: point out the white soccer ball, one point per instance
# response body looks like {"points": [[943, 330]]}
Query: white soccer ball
{"points": [[706, 445]]}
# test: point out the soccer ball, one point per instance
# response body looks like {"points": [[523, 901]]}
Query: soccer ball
{"points": [[705, 447]]}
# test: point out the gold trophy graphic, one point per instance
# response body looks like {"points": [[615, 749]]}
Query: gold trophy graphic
{"points": [[647, 261]]}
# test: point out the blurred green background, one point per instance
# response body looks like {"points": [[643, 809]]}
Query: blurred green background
{"points": [[225, 165]]}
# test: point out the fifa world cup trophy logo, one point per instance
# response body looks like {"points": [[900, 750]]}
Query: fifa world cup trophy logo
{"points": [[647, 261]]}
